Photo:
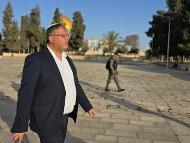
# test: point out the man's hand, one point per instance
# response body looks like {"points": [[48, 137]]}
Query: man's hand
{"points": [[18, 137], [92, 113]]}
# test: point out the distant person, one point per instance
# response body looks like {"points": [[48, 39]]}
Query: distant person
{"points": [[50, 91], [111, 66]]}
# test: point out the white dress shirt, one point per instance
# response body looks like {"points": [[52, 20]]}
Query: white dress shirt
{"points": [[68, 80]]}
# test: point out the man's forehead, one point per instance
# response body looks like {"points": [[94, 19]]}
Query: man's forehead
{"points": [[60, 29]]}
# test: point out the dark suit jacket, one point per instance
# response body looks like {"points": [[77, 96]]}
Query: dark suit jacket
{"points": [[41, 97]]}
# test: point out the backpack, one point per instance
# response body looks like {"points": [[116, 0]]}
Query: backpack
{"points": [[108, 65]]}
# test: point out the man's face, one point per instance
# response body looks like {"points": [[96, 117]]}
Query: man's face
{"points": [[114, 57], [60, 39]]}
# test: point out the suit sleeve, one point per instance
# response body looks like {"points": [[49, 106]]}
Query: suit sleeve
{"points": [[25, 95], [82, 99]]}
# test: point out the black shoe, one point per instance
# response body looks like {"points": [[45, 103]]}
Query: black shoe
{"points": [[107, 90], [120, 90]]}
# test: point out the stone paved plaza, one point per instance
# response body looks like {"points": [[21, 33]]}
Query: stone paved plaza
{"points": [[155, 108]]}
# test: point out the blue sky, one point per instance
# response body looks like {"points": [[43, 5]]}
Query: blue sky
{"points": [[123, 16]]}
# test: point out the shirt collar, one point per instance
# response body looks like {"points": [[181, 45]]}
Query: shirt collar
{"points": [[64, 55]]}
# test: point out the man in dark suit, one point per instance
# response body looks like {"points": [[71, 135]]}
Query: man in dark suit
{"points": [[50, 91]]}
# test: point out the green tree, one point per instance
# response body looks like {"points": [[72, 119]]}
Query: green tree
{"points": [[179, 33], [132, 41], [179, 16], [111, 41], [33, 32], [56, 17], [77, 32], [122, 49], [174, 5], [134, 51], [43, 41], [159, 33], [24, 41], [15, 37], [8, 26], [184, 14], [148, 53]]}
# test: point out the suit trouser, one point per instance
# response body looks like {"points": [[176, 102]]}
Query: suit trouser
{"points": [[58, 136], [110, 77]]}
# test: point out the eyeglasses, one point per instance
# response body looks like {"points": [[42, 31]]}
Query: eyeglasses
{"points": [[63, 35]]}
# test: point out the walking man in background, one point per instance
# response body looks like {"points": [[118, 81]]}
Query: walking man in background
{"points": [[111, 66]]}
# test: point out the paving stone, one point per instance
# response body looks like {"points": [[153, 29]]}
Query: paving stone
{"points": [[130, 140], [106, 139]]}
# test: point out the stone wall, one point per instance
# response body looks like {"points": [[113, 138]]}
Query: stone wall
{"points": [[14, 54]]}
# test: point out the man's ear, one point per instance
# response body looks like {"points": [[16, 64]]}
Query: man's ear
{"points": [[50, 38]]}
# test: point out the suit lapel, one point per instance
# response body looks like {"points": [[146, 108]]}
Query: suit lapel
{"points": [[53, 65], [72, 68]]}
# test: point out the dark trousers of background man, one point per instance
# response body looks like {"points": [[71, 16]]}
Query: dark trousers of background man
{"points": [[115, 78]]}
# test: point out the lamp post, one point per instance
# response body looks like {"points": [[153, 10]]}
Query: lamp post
{"points": [[152, 40], [168, 47]]}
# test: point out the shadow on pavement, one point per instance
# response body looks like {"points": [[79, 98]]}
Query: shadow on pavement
{"points": [[107, 95]]}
